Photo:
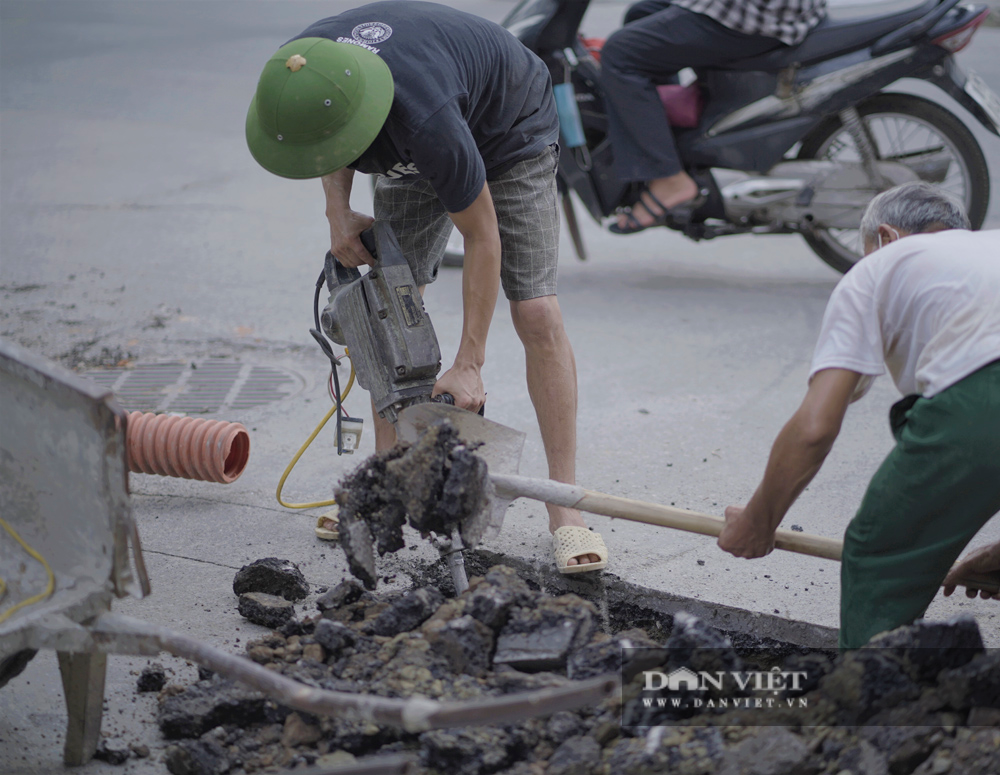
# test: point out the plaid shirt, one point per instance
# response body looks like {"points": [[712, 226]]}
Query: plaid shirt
{"points": [[787, 20]]}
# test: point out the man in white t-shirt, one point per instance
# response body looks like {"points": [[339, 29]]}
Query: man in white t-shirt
{"points": [[926, 306]]}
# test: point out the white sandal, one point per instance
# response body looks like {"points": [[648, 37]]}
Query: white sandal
{"points": [[328, 533], [571, 542]]}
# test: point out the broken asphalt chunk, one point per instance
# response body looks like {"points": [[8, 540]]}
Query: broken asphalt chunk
{"points": [[472, 751], [541, 638], [273, 577], [408, 612], [334, 636], [465, 642], [112, 751], [152, 678], [356, 541], [197, 757], [204, 706], [929, 647], [266, 610], [491, 599], [345, 593], [605, 657], [575, 756]]}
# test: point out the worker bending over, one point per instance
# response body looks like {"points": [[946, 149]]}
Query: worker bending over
{"points": [[457, 120]]}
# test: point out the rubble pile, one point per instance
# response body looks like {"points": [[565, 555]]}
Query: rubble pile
{"points": [[436, 486], [926, 702]]}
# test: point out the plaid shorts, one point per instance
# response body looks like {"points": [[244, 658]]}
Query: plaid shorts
{"points": [[525, 201]]}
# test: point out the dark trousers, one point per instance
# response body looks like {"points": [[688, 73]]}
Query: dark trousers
{"points": [[657, 41], [936, 489]]}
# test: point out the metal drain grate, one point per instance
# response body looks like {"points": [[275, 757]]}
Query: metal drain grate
{"points": [[200, 387]]}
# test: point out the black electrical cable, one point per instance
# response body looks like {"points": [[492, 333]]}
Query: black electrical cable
{"points": [[320, 282], [336, 395], [317, 334]]}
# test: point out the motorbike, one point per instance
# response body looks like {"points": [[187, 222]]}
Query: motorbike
{"points": [[797, 140]]}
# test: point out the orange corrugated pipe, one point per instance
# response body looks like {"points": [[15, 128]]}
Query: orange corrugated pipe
{"points": [[186, 447]]}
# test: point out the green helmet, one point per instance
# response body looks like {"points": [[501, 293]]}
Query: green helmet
{"points": [[319, 105]]}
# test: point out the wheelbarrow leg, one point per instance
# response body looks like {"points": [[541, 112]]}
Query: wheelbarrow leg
{"points": [[83, 683]]}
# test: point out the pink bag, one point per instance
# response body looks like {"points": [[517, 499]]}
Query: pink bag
{"points": [[682, 104]]}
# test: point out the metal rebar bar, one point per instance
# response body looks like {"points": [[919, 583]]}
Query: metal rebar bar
{"points": [[116, 633], [456, 562]]}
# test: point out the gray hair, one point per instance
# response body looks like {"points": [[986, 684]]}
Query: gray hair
{"points": [[913, 207]]}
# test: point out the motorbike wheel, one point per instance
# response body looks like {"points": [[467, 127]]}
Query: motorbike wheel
{"points": [[454, 253], [912, 131]]}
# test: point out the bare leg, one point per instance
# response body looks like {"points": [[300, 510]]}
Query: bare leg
{"points": [[670, 192], [385, 432], [551, 373]]}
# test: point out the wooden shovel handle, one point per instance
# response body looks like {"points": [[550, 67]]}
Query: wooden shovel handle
{"points": [[575, 497], [693, 522]]}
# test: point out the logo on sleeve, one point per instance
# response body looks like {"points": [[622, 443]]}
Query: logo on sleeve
{"points": [[367, 35], [400, 169], [371, 33]]}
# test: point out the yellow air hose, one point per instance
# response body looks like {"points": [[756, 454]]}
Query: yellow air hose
{"points": [[304, 447], [49, 587]]}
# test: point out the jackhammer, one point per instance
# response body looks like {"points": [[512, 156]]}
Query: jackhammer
{"points": [[380, 318]]}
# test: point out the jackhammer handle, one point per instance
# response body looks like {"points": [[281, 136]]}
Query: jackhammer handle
{"points": [[345, 276], [448, 398], [576, 497], [368, 240]]}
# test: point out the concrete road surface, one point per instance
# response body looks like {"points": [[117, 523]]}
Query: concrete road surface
{"points": [[136, 228]]}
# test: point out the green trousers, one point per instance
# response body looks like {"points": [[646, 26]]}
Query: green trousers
{"points": [[935, 490]]}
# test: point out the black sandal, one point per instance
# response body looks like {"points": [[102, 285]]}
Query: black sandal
{"points": [[681, 212]]}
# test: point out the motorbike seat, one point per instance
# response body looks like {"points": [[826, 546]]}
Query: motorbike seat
{"points": [[843, 30]]}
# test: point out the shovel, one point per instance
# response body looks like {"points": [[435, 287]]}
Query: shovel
{"points": [[501, 447]]}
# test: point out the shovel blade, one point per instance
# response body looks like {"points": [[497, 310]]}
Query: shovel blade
{"points": [[500, 447]]}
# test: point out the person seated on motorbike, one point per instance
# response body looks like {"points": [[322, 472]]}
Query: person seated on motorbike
{"points": [[923, 304], [458, 121], [660, 38]]}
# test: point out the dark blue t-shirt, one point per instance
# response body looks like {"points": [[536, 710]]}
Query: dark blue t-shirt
{"points": [[470, 100]]}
